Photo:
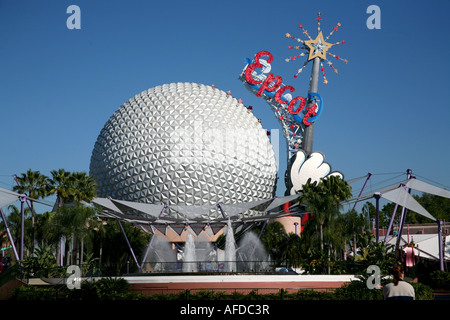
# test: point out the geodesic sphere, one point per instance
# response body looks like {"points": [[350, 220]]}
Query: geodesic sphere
{"points": [[184, 143]]}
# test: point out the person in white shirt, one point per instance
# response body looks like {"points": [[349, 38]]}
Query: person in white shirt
{"points": [[398, 289]]}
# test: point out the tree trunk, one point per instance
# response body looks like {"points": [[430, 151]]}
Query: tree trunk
{"points": [[69, 253], [321, 237], [100, 253], [345, 250], [81, 251], [328, 265], [59, 252]]}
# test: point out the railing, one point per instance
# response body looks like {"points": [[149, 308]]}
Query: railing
{"points": [[208, 267], [130, 268]]}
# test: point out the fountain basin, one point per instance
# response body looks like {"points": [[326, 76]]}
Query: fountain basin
{"points": [[236, 282]]}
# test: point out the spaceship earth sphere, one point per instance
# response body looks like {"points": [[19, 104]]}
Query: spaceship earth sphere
{"points": [[184, 143]]}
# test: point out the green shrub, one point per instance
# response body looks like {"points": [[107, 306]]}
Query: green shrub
{"points": [[119, 289], [440, 280], [206, 295], [103, 289], [34, 293], [423, 292], [305, 294], [357, 290]]}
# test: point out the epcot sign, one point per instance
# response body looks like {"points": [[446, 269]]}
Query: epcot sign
{"points": [[296, 115], [273, 86]]}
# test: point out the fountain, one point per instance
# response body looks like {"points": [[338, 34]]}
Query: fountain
{"points": [[189, 255], [161, 256], [206, 254], [200, 255], [230, 249], [253, 253]]}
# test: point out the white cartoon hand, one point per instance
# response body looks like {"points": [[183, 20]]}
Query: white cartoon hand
{"points": [[312, 168]]}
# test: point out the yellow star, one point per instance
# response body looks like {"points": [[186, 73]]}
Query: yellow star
{"points": [[318, 47]]}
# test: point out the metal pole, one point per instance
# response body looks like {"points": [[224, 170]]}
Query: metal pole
{"points": [[22, 224], [391, 223], [129, 245], [441, 252], [11, 240], [362, 189], [377, 216], [163, 210], [313, 85], [27, 200], [148, 247], [403, 218], [221, 210]]}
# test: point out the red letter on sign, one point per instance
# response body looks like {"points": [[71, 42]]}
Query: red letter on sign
{"points": [[265, 85], [255, 65], [300, 107], [280, 92], [309, 114]]}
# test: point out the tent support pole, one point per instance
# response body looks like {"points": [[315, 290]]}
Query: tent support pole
{"points": [[221, 210], [129, 245], [22, 224], [391, 222], [148, 247], [441, 251], [362, 189], [377, 216], [402, 219]]}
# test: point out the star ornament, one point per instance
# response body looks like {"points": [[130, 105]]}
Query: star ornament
{"points": [[318, 47]]}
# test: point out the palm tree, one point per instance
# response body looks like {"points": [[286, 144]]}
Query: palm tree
{"points": [[353, 225], [42, 222], [70, 223], [319, 205], [60, 184], [98, 234], [35, 186], [292, 250], [322, 200], [338, 188], [72, 186], [83, 187], [273, 236]]}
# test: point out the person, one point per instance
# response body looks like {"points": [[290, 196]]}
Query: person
{"points": [[398, 289]]}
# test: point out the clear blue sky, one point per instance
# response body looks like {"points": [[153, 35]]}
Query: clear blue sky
{"points": [[386, 110]]}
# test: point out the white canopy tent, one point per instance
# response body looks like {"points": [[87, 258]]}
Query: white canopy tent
{"points": [[426, 245], [400, 195], [194, 213], [8, 197], [151, 217]]}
